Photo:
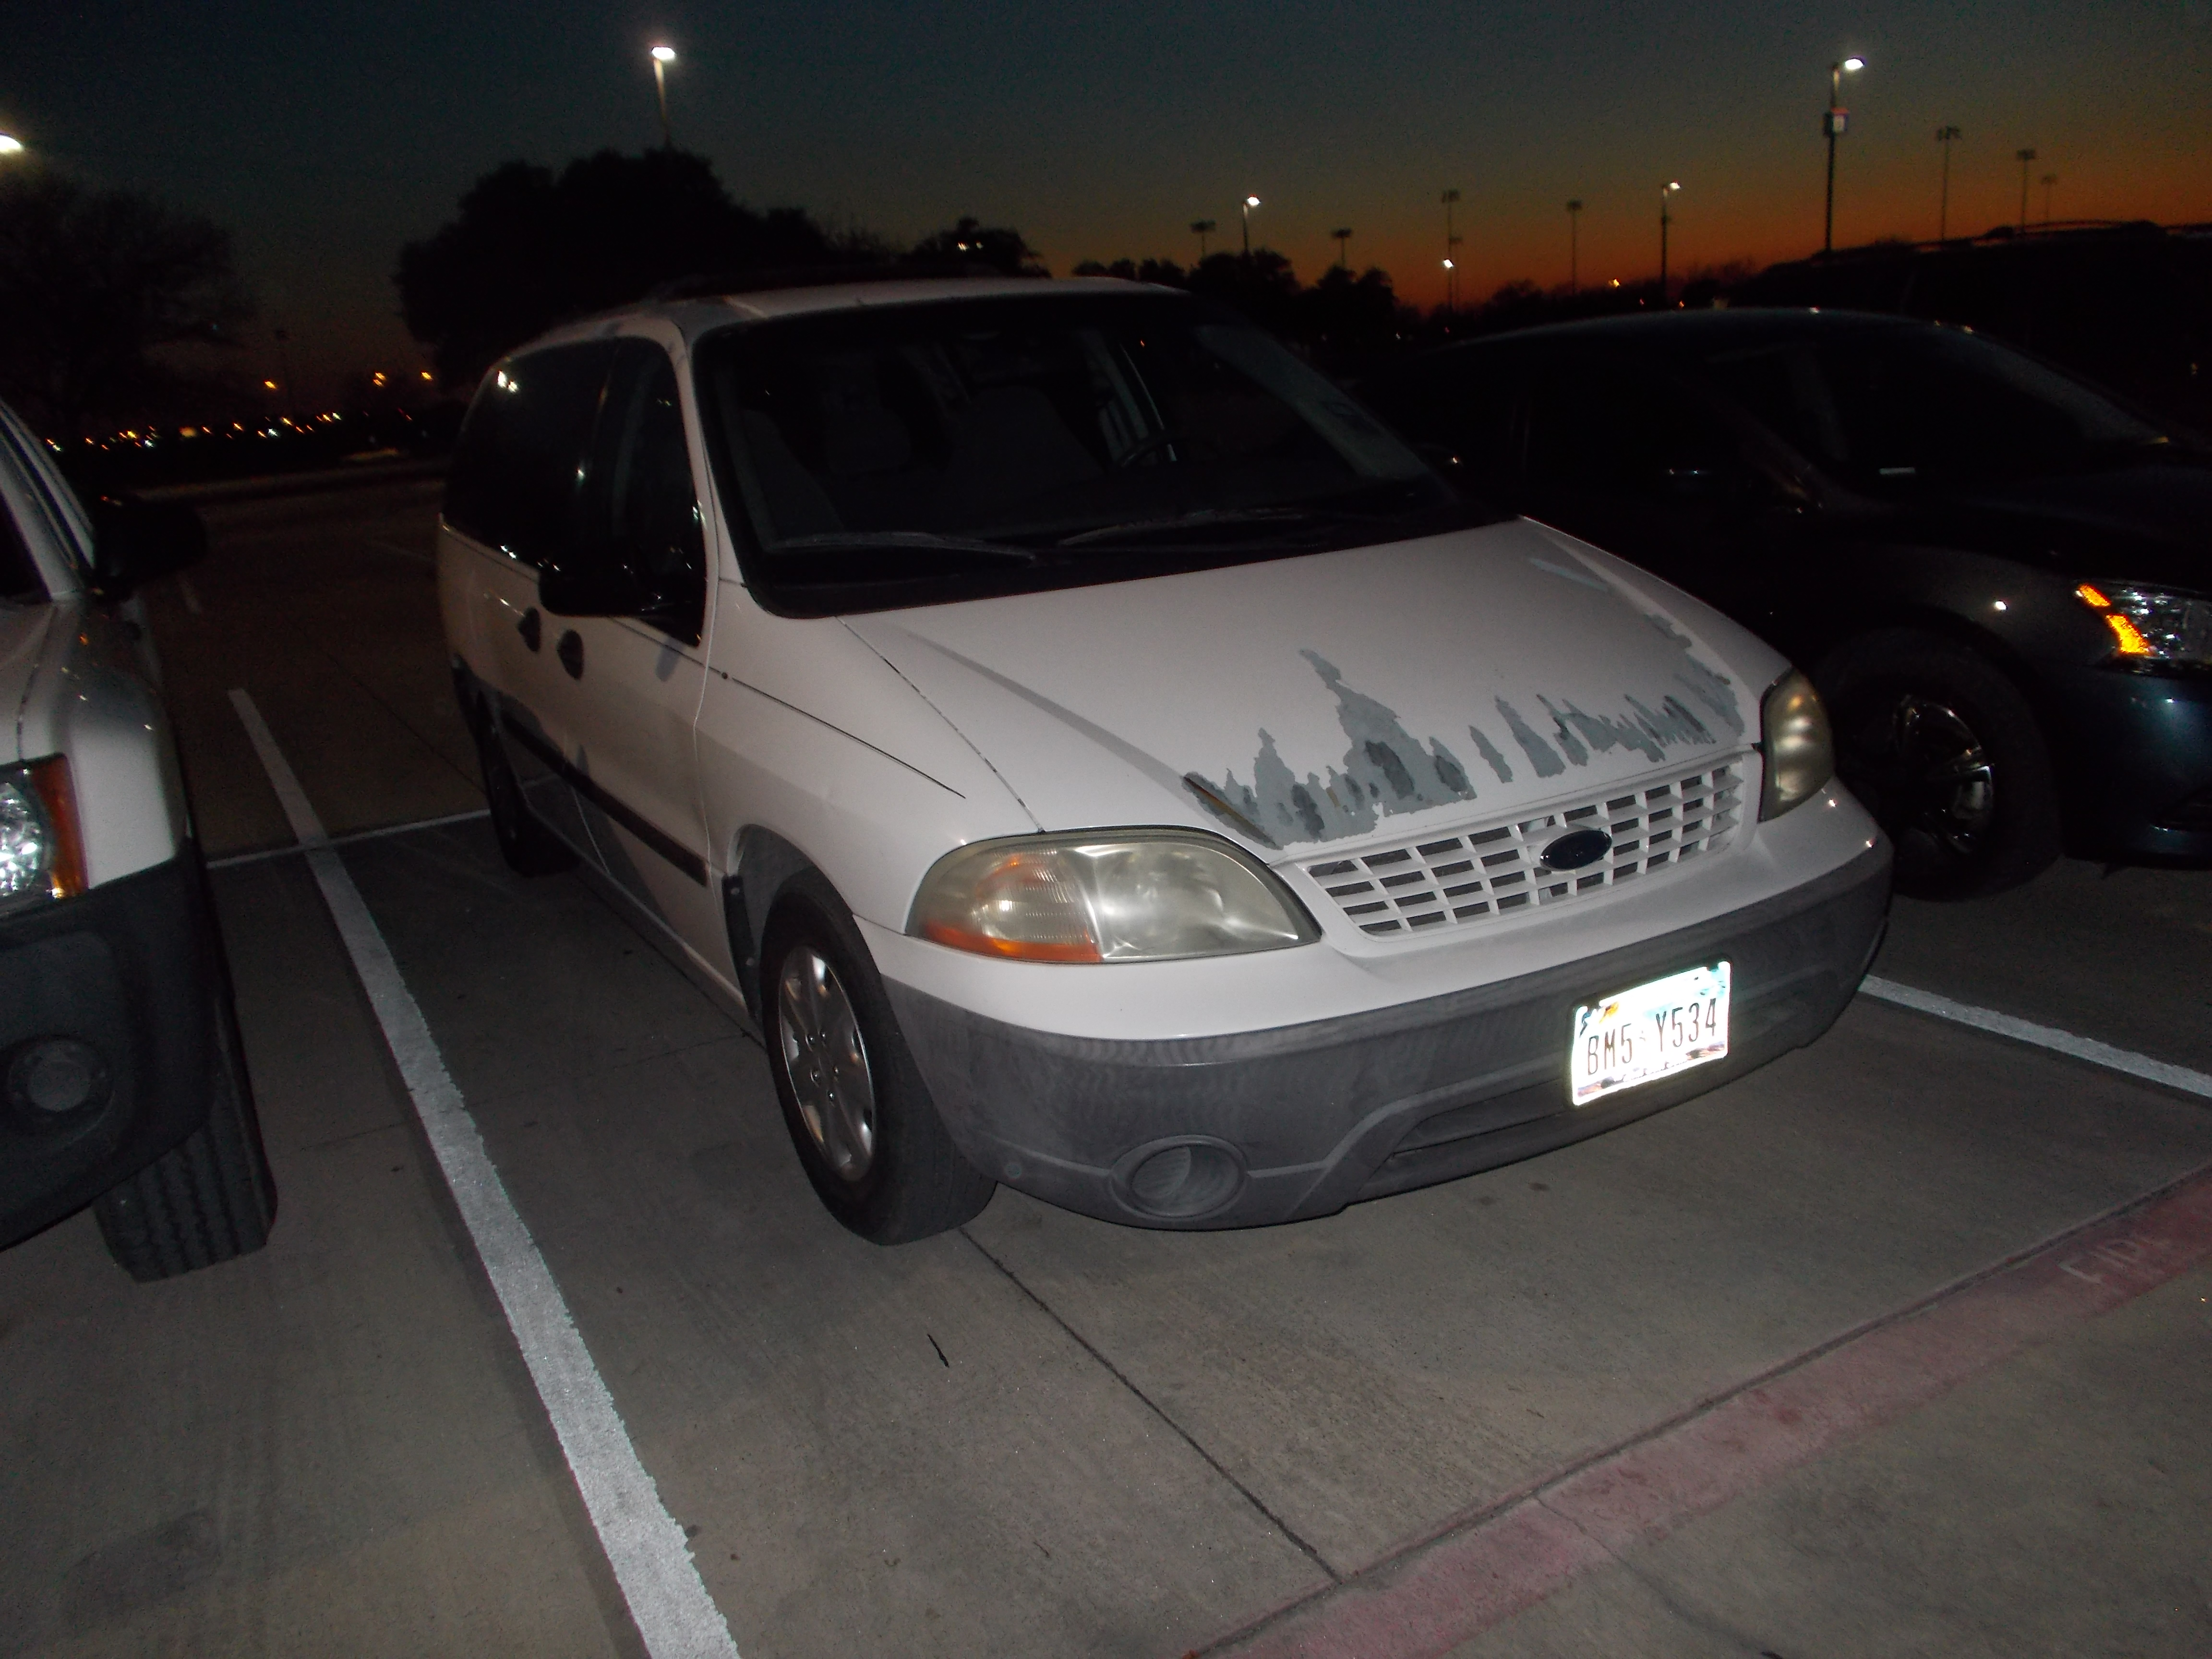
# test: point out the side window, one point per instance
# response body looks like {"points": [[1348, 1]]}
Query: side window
{"points": [[513, 481], [1466, 424], [1607, 433], [638, 507]]}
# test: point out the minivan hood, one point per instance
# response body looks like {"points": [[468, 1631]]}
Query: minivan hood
{"points": [[1326, 697], [21, 630]]}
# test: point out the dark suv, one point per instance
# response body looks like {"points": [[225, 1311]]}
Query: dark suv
{"points": [[2001, 576]]}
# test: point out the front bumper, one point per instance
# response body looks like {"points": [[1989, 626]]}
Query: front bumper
{"points": [[1303, 1119], [2136, 751], [129, 968]]}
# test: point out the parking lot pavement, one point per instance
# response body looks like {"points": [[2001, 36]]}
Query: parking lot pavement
{"points": [[1044, 1434]]}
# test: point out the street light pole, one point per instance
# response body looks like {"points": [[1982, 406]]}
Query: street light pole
{"points": [[663, 55], [1833, 123], [1574, 247], [1944, 136], [1203, 228], [1343, 248], [1671, 187], [2049, 179], [1451, 265], [2023, 157]]}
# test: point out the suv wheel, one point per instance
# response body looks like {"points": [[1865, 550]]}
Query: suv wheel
{"points": [[206, 1200], [1945, 752], [867, 1133]]}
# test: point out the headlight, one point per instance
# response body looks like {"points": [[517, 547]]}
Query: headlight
{"points": [[41, 850], [1110, 895], [2151, 626], [1800, 749]]}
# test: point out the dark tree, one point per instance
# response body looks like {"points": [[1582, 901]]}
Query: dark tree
{"points": [[93, 284], [528, 249], [1349, 317], [972, 242], [1260, 284]]}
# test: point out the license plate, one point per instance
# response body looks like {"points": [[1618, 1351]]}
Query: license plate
{"points": [[1650, 1030]]}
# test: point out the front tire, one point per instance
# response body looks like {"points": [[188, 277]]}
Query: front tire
{"points": [[1941, 747], [208, 1199], [860, 1116]]}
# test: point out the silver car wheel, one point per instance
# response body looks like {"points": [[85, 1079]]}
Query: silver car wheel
{"points": [[827, 1063]]}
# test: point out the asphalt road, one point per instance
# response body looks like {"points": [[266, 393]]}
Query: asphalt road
{"points": [[1832, 1329]]}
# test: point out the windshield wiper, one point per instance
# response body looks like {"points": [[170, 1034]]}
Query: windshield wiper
{"points": [[1208, 517], [926, 541]]}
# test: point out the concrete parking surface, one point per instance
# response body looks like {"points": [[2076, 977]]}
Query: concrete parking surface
{"points": [[1044, 1434]]}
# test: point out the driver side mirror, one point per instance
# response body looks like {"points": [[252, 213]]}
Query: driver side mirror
{"points": [[610, 589], [135, 542]]}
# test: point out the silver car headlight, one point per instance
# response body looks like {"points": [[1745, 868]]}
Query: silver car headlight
{"points": [[1107, 895], [1799, 749], [2151, 627], [40, 849]]}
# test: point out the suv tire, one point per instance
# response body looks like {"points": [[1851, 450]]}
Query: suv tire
{"points": [[208, 1198], [867, 1133], [1940, 745]]}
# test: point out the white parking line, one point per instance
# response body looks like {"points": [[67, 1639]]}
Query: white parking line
{"points": [[347, 841], [646, 1549], [2043, 1036]]}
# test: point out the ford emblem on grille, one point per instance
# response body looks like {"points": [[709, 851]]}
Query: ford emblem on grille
{"points": [[1575, 848]]}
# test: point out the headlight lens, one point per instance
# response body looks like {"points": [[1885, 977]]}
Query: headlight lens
{"points": [[41, 850], [1800, 749], [1111, 895], [2151, 626]]}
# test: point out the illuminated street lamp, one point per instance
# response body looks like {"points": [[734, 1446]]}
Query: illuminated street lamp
{"points": [[1574, 244], [2023, 157], [1673, 187], [11, 144], [1833, 123], [663, 55], [1945, 136], [1203, 228], [1451, 247], [1250, 202]]}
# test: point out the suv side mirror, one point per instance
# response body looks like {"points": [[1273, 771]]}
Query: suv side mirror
{"points": [[613, 590], [135, 542]]}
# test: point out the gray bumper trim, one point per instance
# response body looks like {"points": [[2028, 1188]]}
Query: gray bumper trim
{"points": [[1320, 1115]]}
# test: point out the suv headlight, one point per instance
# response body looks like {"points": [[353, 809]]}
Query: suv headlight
{"points": [[1799, 749], [40, 849], [1109, 895], [2152, 627]]}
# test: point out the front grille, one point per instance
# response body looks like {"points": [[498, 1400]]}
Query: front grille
{"points": [[1476, 875]]}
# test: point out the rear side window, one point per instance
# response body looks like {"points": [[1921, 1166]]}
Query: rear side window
{"points": [[515, 477], [1609, 433], [1464, 416]]}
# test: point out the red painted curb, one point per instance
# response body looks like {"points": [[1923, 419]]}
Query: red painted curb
{"points": [[1430, 1597]]}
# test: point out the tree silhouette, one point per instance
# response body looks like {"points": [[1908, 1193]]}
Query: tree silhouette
{"points": [[528, 249], [972, 242], [93, 284]]}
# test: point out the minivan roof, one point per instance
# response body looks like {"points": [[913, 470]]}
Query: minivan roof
{"points": [[1688, 331]]}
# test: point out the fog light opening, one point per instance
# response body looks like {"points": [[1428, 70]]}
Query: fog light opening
{"points": [[1182, 1178], [54, 1079]]}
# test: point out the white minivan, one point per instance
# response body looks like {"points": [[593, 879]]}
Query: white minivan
{"points": [[1103, 759]]}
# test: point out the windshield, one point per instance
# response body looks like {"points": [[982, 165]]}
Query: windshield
{"points": [[1895, 405], [900, 453]]}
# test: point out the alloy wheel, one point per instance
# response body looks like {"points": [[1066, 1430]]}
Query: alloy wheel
{"points": [[827, 1063]]}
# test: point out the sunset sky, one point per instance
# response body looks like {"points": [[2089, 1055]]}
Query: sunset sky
{"points": [[327, 138]]}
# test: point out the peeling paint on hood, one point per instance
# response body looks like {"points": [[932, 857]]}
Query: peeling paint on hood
{"points": [[1303, 701]]}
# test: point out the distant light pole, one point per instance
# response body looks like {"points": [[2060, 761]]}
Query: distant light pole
{"points": [[1250, 202], [1343, 247], [1574, 244], [2023, 157], [1204, 228], [2049, 179], [663, 55], [1945, 136], [1833, 124], [1672, 187], [1451, 247]]}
